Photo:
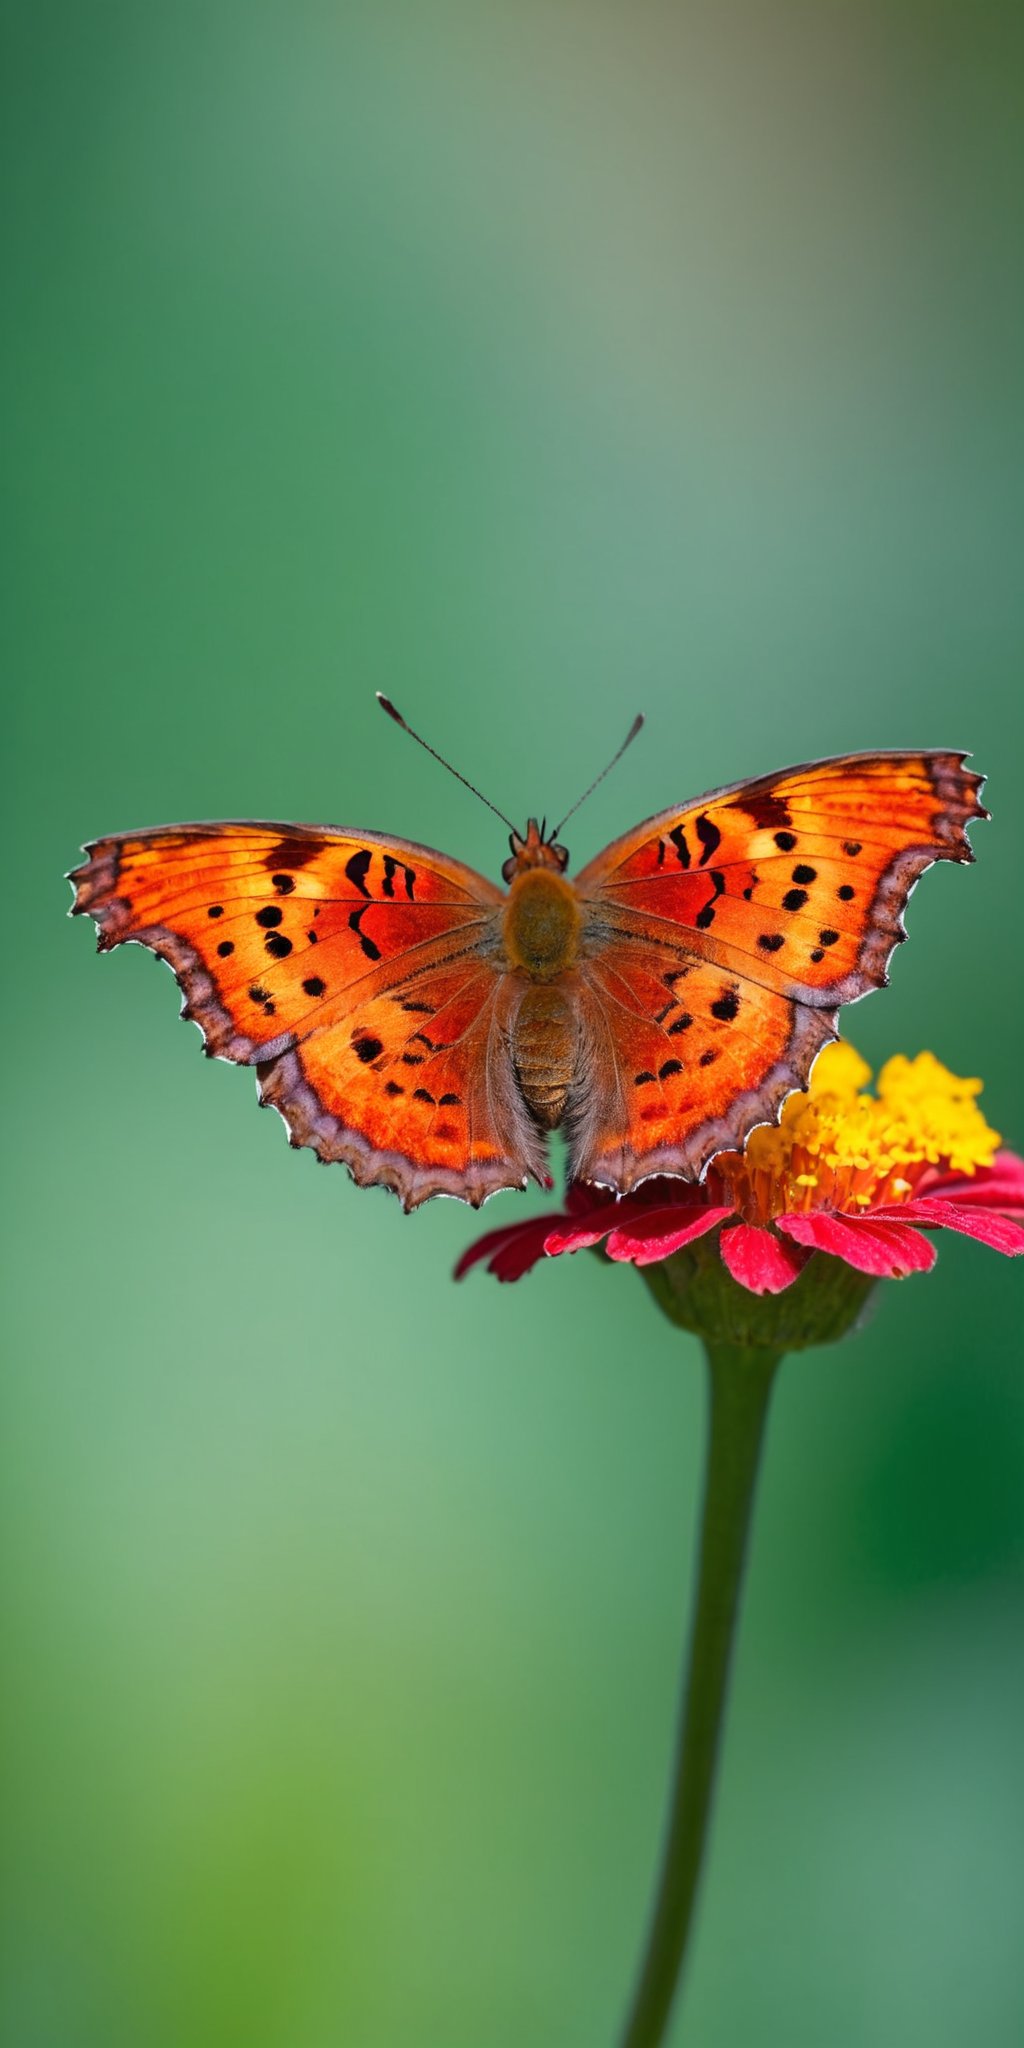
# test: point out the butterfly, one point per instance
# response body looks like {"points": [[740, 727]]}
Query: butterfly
{"points": [[428, 1029]]}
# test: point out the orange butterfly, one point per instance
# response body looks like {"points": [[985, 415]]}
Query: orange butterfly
{"points": [[427, 1028]]}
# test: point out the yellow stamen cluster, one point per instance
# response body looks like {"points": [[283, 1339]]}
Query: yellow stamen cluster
{"points": [[840, 1147]]}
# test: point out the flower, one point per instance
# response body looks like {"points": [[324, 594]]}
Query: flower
{"points": [[854, 1174]]}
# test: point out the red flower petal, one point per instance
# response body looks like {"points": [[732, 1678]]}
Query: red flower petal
{"points": [[989, 1227], [587, 1223], [510, 1252], [577, 1237], [593, 1212], [999, 1186], [655, 1221], [663, 1231], [760, 1261], [889, 1250]]}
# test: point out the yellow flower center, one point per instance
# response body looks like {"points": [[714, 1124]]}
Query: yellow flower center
{"points": [[840, 1147]]}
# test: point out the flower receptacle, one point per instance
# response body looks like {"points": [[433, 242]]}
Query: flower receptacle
{"points": [[693, 1287]]}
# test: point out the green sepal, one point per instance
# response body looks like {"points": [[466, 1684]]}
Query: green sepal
{"points": [[697, 1292]]}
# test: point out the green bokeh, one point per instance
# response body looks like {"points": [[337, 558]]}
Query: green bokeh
{"points": [[534, 363]]}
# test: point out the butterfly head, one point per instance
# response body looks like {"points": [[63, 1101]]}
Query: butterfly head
{"points": [[535, 850]]}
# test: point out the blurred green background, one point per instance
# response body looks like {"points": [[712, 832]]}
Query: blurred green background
{"points": [[535, 363]]}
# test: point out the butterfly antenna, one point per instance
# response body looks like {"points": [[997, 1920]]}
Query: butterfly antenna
{"points": [[386, 705], [630, 737]]}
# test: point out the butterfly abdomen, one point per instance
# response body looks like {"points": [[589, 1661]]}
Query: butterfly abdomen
{"points": [[544, 1049]]}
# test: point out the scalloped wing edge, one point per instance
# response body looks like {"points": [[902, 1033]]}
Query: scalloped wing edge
{"points": [[892, 896], [282, 1085]]}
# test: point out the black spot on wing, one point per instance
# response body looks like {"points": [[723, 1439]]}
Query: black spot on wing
{"points": [[366, 1047], [709, 836], [284, 884], [726, 1006], [706, 916], [356, 869], [278, 946], [269, 916], [767, 812], [678, 838], [292, 853], [391, 868], [226, 946], [215, 910], [770, 942], [371, 950]]}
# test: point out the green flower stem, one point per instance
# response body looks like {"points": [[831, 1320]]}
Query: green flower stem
{"points": [[740, 1384]]}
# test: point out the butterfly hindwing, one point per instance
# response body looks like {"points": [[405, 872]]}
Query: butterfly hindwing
{"points": [[413, 1088], [686, 1059]]}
